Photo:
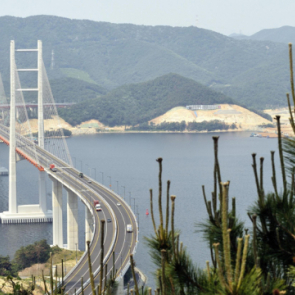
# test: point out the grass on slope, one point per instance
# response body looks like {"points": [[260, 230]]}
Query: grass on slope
{"points": [[77, 74]]}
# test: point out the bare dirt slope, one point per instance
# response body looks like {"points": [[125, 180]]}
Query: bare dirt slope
{"points": [[229, 114], [88, 127], [91, 126], [285, 123], [52, 123]]}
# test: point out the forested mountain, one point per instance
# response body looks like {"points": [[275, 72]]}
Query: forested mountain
{"points": [[238, 36], [138, 103], [110, 55]]}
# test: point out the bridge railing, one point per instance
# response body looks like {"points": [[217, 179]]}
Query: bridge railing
{"points": [[115, 232], [124, 270]]}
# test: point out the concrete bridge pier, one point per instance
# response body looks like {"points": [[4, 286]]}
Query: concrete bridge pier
{"points": [[72, 222], [42, 192], [57, 231], [120, 290], [88, 226]]}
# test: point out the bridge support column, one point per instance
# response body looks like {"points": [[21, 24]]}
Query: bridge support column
{"points": [[42, 192], [57, 231], [88, 225], [120, 290], [12, 205], [72, 222]]}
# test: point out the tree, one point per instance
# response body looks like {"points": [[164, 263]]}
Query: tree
{"points": [[6, 267], [38, 252]]}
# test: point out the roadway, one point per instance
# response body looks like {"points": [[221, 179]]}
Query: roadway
{"points": [[35, 105], [116, 240]]}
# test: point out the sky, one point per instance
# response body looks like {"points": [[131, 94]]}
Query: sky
{"points": [[224, 16]]}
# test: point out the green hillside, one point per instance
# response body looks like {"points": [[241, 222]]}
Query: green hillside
{"points": [[138, 103], [252, 89], [113, 55], [66, 90], [74, 90]]}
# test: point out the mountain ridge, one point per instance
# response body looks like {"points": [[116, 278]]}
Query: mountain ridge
{"points": [[117, 54], [284, 34]]}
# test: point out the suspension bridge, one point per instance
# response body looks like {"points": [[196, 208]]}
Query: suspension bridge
{"points": [[15, 131]]}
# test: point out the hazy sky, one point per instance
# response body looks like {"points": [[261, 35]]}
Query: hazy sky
{"points": [[224, 16]]}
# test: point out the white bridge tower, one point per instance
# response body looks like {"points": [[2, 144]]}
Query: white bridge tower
{"points": [[36, 212]]}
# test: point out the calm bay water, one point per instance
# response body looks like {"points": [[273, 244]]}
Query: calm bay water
{"points": [[129, 160]]}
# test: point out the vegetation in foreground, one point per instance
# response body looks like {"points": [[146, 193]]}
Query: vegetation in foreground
{"points": [[257, 262], [25, 257]]}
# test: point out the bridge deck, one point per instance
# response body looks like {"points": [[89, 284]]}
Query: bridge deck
{"points": [[116, 237]]}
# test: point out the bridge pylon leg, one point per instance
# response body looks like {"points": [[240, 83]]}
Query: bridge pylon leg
{"points": [[42, 189], [57, 226], [72, 222], [40, 97], [12, 205], [88, 225]]}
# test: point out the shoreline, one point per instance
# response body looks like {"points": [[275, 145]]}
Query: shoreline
{"points": [[165, 132]]}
